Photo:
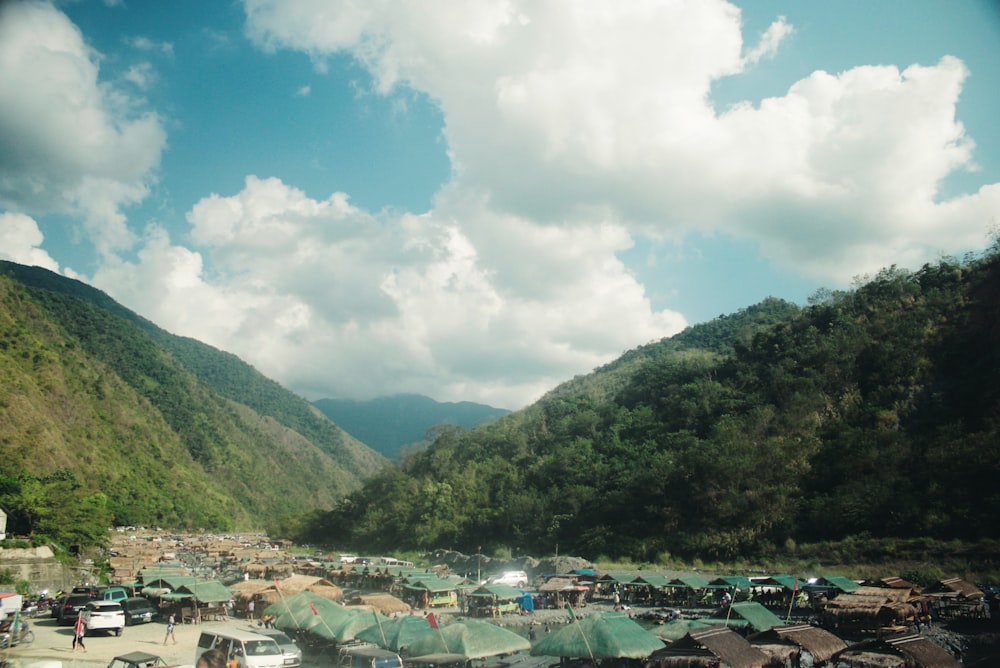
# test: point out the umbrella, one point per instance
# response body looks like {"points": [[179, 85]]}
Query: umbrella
{"points": [[603, 635], [676, 629], [396, 634], [470, 638]]}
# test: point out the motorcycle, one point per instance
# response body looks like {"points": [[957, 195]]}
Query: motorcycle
{"points": [[12, 637]]}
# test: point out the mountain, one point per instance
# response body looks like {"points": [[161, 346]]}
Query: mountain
{"points": [[104, 413], [871, 414], [389, 424]]}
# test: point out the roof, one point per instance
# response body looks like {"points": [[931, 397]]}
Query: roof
{"points": [[559, 583], [728, 581], [501, 591], [820, 643], [755, 614], [725, 644], [786, 581], [918, 650], [838, 582], [689, 581], [653, 580], [209, 591], [955, 587]]}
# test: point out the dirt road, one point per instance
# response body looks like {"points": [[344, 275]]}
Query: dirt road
{"points": [[54, 643]]}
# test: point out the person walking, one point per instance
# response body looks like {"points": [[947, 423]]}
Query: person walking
{"points": [[78, 632], [170, 630]]}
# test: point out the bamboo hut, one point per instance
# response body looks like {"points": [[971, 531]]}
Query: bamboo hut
{"points": [[904, 651], [870, 609], [792, 643], [707, 648], [956, 598], [387, 604]]}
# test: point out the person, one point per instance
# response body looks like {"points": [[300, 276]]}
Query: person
{"points": [[213, 658], [78, 632], [170, 630], [250, 607]]}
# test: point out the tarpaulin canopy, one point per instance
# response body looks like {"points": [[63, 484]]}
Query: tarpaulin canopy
{"points": [[603, 635], [472, 639], [396, 634]]}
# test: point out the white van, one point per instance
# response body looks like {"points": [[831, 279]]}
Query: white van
{"points": [[251, 650]]}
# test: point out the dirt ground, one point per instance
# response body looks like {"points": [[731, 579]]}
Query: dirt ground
{"points": [[54, 643]]}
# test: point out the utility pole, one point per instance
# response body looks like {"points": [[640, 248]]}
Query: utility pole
{"points": [[479, 564]]}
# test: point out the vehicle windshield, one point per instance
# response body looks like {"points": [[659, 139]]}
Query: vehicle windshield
{"points": [[262, 647]]}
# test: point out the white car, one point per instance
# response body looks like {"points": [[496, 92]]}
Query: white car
{"points": [[513, 578], [103, 616]]}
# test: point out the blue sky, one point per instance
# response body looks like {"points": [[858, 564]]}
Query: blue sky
{"points": [[478, 201]]}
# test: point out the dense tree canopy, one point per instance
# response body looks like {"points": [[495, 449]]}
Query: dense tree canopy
{"points": [[871, 412]]}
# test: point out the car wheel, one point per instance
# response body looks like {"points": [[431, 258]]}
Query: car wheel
{"points": [[118, 631]]}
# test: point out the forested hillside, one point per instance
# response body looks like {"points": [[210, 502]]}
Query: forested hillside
{"points": [[870, 413], [106, 418]]}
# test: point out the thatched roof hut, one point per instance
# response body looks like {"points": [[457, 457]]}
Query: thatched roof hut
{"points": [[957, 588], [893, 582], [819, 643], [387, 604], [904, 651], [267, 591], [870, 608], [706, 648]]}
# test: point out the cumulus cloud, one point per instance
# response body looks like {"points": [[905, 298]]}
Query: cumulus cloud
{"points": [[21, 241], [70, 143], [568, 112], [336, 301]]}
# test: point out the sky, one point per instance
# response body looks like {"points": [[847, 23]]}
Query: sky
{"points": [[477, 200]]}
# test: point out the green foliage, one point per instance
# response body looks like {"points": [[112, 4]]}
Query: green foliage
{"points": [[106, 419], [871, 413]]}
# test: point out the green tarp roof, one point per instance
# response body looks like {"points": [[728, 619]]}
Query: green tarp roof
{"points": [[750, 612], [689, 581], [730, 581], [786, 581], [844, 584], [434, 583], [501, 591], [209, 591], [168, 581], [652, 580]]}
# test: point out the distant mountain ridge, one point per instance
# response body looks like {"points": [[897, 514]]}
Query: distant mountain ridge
{"points": [[390, 424]]}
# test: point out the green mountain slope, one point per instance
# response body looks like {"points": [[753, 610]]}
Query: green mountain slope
{"points": [[168, 430], [872, 413], [388, 424]]}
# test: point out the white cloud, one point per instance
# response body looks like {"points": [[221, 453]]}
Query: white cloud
{"points": [[21, 240], [337, 302], [143, 43], [568, 111], [770, 40], [142, 75], [71, 143]]}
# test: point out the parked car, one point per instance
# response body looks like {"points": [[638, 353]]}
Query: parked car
{"points": [[290, 651], [70, 606], [138, 610], [103, 616], [136, 660], [512, 578], [112, 594]]}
